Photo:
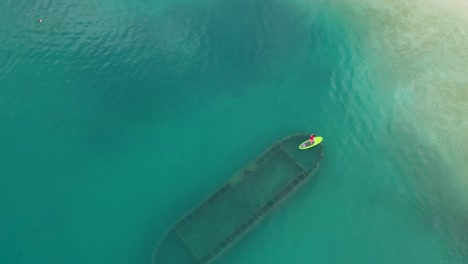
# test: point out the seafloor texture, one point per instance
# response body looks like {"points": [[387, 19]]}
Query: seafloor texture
{"points": [[117, 118]]}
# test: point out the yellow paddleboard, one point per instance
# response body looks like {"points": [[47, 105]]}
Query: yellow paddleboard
{"points": [[306, 144]]}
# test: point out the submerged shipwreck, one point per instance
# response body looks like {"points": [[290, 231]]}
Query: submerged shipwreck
{"points": [[216, 224]]}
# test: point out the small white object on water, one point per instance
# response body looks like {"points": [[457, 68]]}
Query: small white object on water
{"points": [[40, 20]]}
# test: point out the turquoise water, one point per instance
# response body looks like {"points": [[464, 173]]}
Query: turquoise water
{"points": [[118, 117]]}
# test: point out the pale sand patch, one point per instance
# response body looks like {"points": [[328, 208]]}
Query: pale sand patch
{"points": [[423, 46]]}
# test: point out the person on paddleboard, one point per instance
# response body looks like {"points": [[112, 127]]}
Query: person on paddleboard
{"points": [[312, 138]]}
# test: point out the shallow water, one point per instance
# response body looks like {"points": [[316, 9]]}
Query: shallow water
{"points": [[114, 119]]}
